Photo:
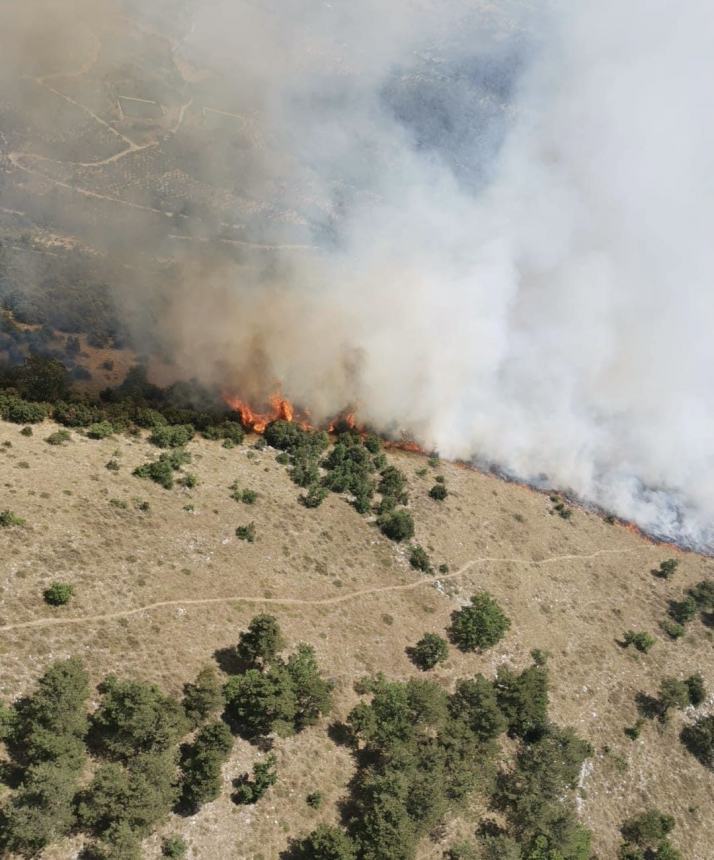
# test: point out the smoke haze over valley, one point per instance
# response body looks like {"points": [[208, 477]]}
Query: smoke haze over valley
{"points": [[486, 225]]}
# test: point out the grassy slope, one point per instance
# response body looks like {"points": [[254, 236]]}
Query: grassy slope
{"points": [[574, 607]]}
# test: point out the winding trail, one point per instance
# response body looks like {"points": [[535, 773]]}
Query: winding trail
{"points": [[324, 601]]}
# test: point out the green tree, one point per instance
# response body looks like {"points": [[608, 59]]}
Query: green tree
{"points": [[258, 702], [324, 843], [40, 811], [479, 625], [474, 703], [647, 829], [135, 718], [136, 795], [51, 724], [523, 699], [203, 697], [397, 525], [251, 789], [313, 694], [429, 651], [260, 644], [42, 379], [201, 764], [672, 694]]}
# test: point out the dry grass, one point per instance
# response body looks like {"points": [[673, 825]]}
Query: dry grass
{"points": [[563, 594]]}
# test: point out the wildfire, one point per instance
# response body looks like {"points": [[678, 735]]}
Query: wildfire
{"points": [[281, 409]]}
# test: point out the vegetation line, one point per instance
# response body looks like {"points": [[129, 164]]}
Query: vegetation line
{"points": [[323, 601]]}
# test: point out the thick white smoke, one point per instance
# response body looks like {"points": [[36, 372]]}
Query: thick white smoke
{"points": [[490, 226], [521, 270]]}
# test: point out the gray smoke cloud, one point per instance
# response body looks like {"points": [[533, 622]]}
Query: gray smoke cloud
{"points": [[485, 224]]}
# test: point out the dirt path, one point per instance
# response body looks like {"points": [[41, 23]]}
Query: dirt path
{"points": [[324, 601]]}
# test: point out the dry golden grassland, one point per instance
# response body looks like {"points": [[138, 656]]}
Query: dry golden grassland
{"points": [[569, 587]]}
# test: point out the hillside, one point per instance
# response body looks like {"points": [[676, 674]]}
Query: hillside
{"points": [[158, 592]]}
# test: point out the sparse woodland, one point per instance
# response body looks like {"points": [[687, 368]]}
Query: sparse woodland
{"points": [[110, 763]]}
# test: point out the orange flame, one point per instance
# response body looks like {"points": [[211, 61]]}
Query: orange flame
{"points": [[280, 409]]}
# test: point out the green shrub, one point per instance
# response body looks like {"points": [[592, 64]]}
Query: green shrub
{"points": [[438, 492], [58, 594], [703, 594], [250, 790], [19, 411], [397, 525], [8, 519], [479, 625], [672, 628], [172, 436], [419, 559], [430, 650], [393, 483], [641, 640], [189, 480], [667, 568], [246, 533], [161, 471], [315, 496], [314, 799], [174, 847], [672, 694], [100, 430], [26, 431], [633, 732], [59, 437], [464, 851], [683, 611], [648, 829], [695, 689]]}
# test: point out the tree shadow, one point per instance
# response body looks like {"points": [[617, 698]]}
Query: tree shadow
{"points": [[649, 706], [231, 661], [341, 734]]}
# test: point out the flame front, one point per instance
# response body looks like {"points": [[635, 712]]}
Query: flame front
{"points": [[281, 409]]}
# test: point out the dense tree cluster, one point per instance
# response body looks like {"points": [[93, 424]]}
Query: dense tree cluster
{"points": [[140, 771], [421, 752], [270, 693]]}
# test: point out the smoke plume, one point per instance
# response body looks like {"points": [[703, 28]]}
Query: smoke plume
{"points": [[485, 224]]}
